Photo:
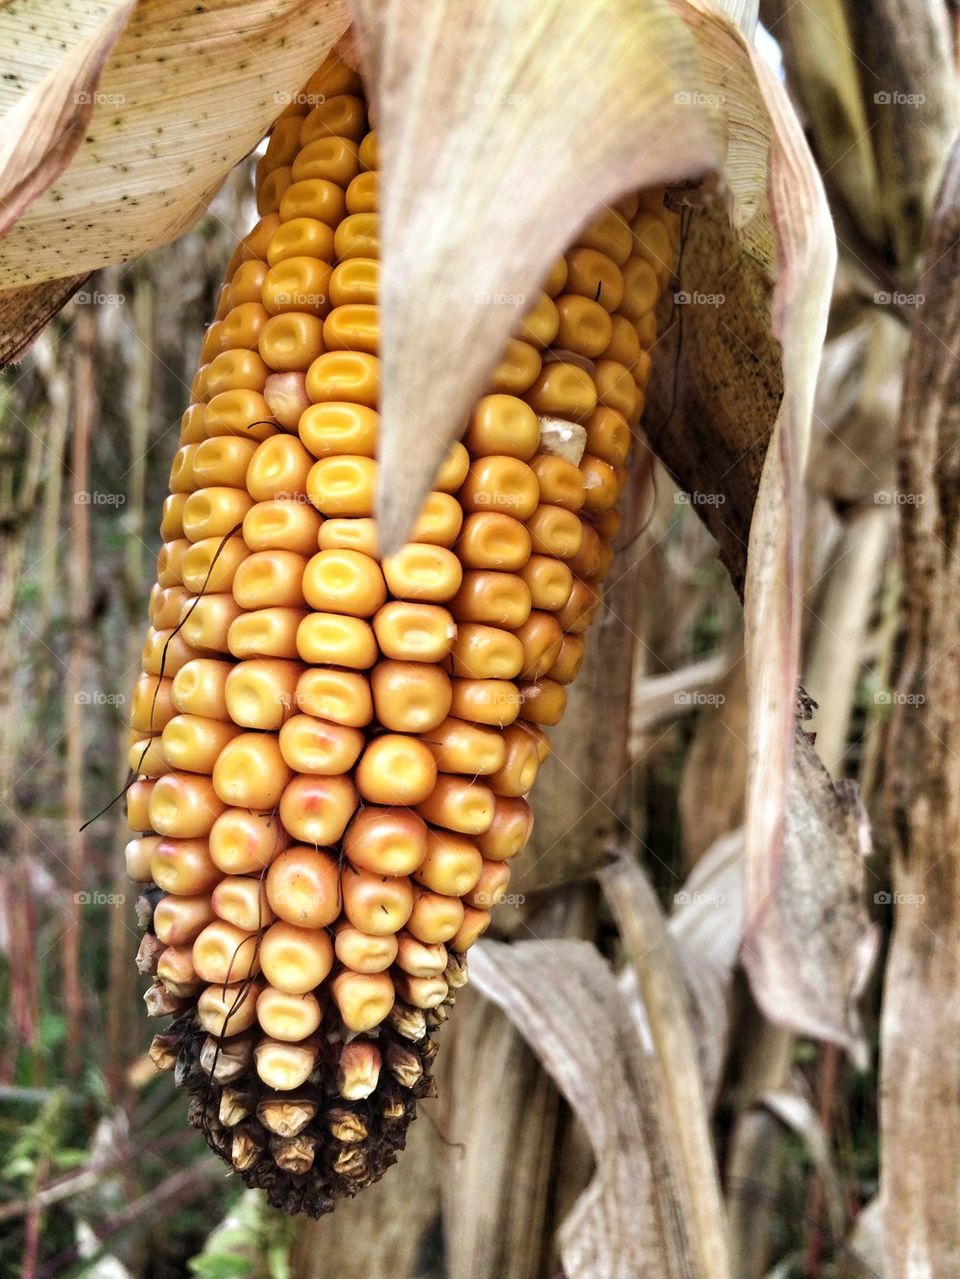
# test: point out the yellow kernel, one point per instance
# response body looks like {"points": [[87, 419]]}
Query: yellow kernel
{"points": [[337, 639], [338, 695], [334, 428], [396, 769], [244, 842], [183, 805], [594, 275], [290, 341], [498, 599], [503, 424], [223, 460], [316, 809], [353, 327], [345, 375], [410, 697], [295, 960], [419, 571], [312, 198], [301, 238], [242, 325], [343, 116], [357, 236], [250, 772], [355, 282], [214, 512], [585, 326], [282, 524], [610, 235], [486, 652], [265, 632], [341, 581], [331, 159], [376, 904], [387, 841], [303, 887]]}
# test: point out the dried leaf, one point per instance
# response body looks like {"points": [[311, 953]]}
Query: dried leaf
{"points": [[497, 1196], [878, 84], [796, 1112], [810, 949], [577, 1024], [920, 1031], [688, 1147], [549, 112], [44, 126], [185, 93], [748, 463]]}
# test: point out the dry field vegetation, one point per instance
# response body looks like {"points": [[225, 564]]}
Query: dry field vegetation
{"points": [[713, 1030]]}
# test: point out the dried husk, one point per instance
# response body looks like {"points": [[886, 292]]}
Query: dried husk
{"points": [[185, 92], [549, 112]]}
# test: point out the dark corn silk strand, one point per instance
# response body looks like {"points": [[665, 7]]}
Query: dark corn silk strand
{"points": [[333, 752]]}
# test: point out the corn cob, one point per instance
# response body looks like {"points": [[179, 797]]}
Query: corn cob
{"points": [[332, 751]]}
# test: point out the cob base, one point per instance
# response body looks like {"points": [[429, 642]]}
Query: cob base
{"points": [[321, 1167]]}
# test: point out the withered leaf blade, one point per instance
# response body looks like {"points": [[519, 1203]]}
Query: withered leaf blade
{"points": [[45, 125], [920, 1030], [730, 412], [667, 1005], [186, 91], [504, 126], [810, 949], [565, 1001]]}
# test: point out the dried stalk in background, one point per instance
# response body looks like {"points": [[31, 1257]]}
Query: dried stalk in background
{"points": [[920, 1068]]}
